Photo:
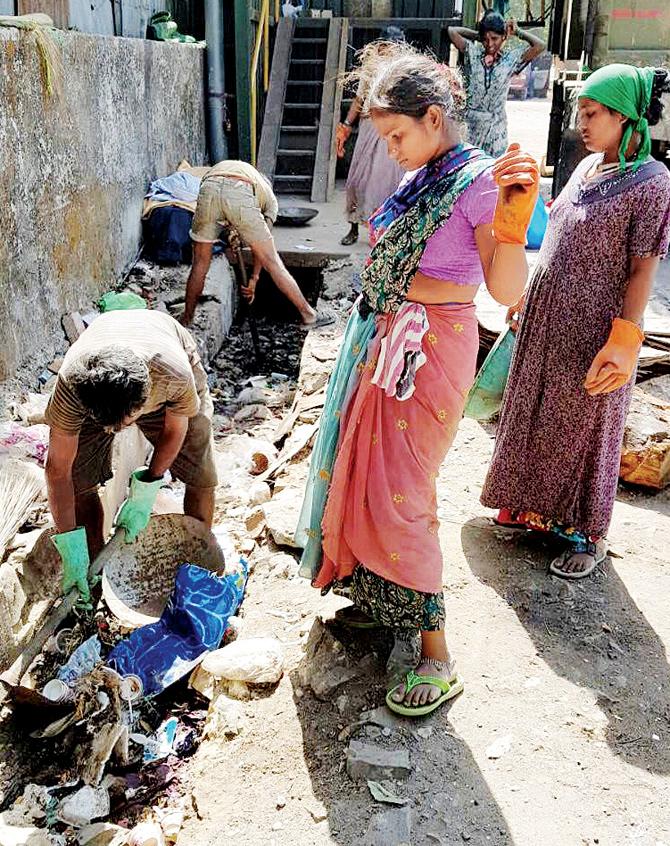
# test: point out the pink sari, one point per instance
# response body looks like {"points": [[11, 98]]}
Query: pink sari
{"points": [[382, 509]]}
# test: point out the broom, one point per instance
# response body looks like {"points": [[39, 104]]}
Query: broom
{"points": [[20, 485], [51, 65]]}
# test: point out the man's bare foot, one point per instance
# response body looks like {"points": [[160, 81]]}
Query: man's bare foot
{"points": [[318, 318]]}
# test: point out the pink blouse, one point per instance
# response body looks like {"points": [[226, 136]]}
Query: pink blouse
{"points": [[451, 253]]}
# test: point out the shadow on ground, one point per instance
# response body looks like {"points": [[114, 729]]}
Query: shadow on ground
{"points": [[448, 800], [591, 632]]}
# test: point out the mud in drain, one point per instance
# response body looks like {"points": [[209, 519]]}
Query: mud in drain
{"points": [[280, 338]]}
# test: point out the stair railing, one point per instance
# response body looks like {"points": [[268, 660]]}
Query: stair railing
{"points": [[262, 40]]}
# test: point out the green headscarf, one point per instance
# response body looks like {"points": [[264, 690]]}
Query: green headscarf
{"points": [[627, 90]]}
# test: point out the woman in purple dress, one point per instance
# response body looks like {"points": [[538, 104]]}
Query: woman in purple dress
{"points": [[556, 461]]}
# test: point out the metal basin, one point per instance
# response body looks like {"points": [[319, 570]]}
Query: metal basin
{"points": [[137, 578], [295, 215]]}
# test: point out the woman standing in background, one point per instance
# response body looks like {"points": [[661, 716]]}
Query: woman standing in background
{"points": [[490, 65]]}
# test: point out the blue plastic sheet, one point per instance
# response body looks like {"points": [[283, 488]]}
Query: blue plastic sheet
{"points": [[193, 623]]}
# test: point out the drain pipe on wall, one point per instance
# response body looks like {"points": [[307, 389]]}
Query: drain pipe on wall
{"points": [[216, 97]]}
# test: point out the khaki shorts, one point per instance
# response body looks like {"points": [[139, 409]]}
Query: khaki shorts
{"points": [[194, 465], [227, 201]]}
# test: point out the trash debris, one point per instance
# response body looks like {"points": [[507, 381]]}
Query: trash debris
{"points": [[31, 410], [138, 578], [87, 804], [57, 691], [102, 834], [381, 794], [256, 660], [225, 718], [500, 746], [24, 442], [11, 835], [121, 301], [161, 745], [193, 623], [171, 820], [31, 807], [82, 661], [146, 834], [105, 742]]}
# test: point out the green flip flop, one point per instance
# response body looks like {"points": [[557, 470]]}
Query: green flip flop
{"points": [[449, 689]]}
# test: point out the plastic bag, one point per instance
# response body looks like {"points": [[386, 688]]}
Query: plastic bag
{"points": [[538, 225], [485, 397]]}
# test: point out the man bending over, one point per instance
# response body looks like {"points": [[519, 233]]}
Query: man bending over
{"points": [[128, 367], [234, 195]]}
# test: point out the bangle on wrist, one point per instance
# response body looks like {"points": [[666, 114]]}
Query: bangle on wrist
{"points": [[347, 123]]}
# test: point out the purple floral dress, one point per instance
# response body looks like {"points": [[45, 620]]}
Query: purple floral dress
{"points": [[558, 449]]}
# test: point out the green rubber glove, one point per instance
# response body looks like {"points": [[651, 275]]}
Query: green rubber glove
{"points": [[73, 550], [136, 510]]}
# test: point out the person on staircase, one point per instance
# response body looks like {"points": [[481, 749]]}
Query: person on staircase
{"points": [[234, 195], [373, 174], [128, 367]]}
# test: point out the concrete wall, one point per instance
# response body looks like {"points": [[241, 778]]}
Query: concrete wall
{"points": [[75, 168]]}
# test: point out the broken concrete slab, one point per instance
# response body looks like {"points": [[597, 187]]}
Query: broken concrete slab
{"points": [[383, 718], [324, 667], [365, 761], [282, 513], [390, 828], [254, 521]]}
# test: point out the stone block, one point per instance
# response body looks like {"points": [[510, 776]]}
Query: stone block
{"points": [[390, 828], [367, 761], [281, 515]]}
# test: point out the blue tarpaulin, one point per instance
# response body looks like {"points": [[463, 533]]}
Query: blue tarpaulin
{"points": [[193, 623]]}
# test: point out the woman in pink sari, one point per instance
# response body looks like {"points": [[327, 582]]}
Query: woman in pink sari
{"points": [[407, 361]]}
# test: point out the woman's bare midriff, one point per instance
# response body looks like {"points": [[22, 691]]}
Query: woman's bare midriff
{"points": [[429, 291]]}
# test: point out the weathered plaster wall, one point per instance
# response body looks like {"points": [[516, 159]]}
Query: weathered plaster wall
{"points": [[74, 169]]}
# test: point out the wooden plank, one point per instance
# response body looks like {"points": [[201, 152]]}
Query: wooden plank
{"points": [[274, 105], [325, 159], [404, 23], [58, 10], [243, 51]]}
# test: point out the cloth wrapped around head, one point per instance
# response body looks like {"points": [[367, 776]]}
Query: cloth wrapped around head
{"points": [[627, 90]]}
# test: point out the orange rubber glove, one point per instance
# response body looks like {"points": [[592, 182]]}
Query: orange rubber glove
{"points": [[614, 365], [518, 179], [342, 135]]}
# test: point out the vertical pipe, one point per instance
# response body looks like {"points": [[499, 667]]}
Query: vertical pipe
{"points": [[216, 102], [266, 50]]}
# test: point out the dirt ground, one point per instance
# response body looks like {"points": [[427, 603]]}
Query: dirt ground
{"points": [[569, 681]]}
